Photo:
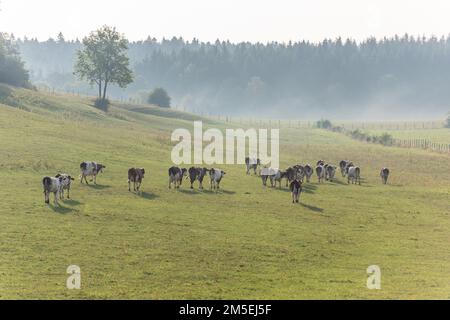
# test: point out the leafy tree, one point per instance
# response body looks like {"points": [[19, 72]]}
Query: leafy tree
{"points": [[103, 60], [159, 97], [12, 69]]}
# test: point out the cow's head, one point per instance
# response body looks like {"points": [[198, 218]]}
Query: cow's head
{"points": [[100, 168], [142, 171], [184, 172]]}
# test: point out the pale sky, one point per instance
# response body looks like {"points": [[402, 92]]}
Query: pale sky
{"points": [[235, 20]]}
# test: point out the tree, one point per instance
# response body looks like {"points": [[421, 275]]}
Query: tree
{"points": [[12, 69], [447, 122], [103, 60], [159, 97]]}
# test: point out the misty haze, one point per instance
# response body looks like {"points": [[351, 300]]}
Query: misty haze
{"points": [[403, 78]]}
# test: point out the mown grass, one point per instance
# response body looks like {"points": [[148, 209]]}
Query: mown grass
{"points": [[245, 242]]}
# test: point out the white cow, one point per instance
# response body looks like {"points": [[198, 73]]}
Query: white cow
{"points": [[66, 181], [91, 169], [354, 175], [216, 176]]}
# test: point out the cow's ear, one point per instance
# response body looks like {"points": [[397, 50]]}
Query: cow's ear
{"points": [[71, 178], [58, 175]]}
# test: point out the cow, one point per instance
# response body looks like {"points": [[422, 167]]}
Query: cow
{"points": [[308, 172], [320, 163], [176, 175], [343, 166], [92, 169], [252, 163], [197, 174], [320, 171], [277, 177], [291, 175], [330, 171], [135, 175], [52, 185], [300, 172], [353, 175], [66, 181], [216, 176], [296, 189], [384, 174], [267, 173]]}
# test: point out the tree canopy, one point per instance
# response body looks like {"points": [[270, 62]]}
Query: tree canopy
{"points": [[12, 69], [159, 97], [103, 60]]}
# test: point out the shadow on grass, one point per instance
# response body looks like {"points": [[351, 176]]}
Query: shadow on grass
{"points": [[204, 191], [98, 186], [307, 188], [147, 195], [61, 210], [71, 202], [312, 208]]}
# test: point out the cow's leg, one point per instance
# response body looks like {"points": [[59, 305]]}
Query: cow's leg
{"points": [[134, 185], [129, 185], [46, 197], [85, 179], [95, 179], [170, 183], [68, 192], [56, 193]]}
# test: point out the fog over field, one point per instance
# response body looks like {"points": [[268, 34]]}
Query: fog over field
{"points": [[371, 60]]}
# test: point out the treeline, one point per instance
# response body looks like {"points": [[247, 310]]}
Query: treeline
{"points": [[12, 69], [400, 77]]}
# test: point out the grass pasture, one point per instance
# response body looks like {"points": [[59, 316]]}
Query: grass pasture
{"points": [[245, 242]]}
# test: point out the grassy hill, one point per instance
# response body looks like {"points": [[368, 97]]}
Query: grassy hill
{"points": [[246, 241]]}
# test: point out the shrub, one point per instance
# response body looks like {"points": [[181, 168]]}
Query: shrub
{"points": [[159, 97], [324, 124]]}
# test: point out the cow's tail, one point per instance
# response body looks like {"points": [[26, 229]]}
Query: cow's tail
{"points": [[47, 183]]}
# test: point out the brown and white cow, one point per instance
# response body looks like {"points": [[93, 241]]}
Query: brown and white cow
{"points": [[135, 175]]}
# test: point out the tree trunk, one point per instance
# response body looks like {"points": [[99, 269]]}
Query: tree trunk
{"points": [[104, 90], [100, 89]]}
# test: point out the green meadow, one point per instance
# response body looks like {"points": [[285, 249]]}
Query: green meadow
{"points": [[244, 242]]}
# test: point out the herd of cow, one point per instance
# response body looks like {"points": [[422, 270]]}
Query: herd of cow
{"points": [[294, 176]]}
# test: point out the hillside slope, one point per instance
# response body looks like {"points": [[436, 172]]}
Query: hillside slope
{"points": [[246, 241]]}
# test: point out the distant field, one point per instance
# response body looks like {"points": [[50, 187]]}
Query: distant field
{"points": [[245, 242], [435, 135]]}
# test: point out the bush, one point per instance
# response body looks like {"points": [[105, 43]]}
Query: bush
{"points": [[159, 97], [102, 104], [324, 124], [447, 122]]}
